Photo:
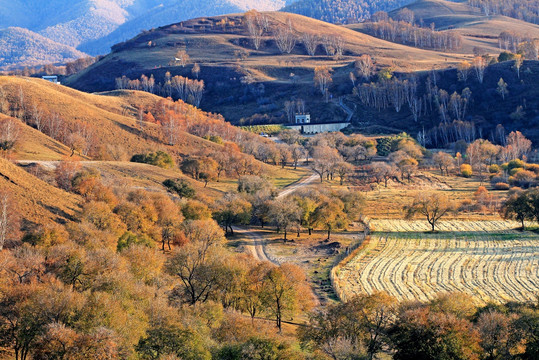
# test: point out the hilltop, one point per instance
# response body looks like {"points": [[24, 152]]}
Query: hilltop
{"points": [[261, 80], [93, 26]]}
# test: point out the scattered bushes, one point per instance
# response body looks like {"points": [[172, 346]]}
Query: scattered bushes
{"points": [[466, 170], [180, 187], [159, 158]]}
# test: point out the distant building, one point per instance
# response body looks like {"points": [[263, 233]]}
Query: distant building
{"points": [[317, 128], [52, 79], [303, 118]]}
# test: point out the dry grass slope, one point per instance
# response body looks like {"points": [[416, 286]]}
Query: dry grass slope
{"points": [[38, 202]]}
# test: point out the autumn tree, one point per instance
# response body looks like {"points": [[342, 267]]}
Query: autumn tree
{"points": [[254, 27], [285, 215], [365, 66], [432, 206], [479, 66], [297, 152], [330, 216], [230, 210], [463, 70], [502, 88], [196, 264], [518, 207], [444, 161], [285, 39], [382, 171], [10, 131], [285, 291], [181, 58], [369, 321], [323, 79], [420, 333], [343, 170]]}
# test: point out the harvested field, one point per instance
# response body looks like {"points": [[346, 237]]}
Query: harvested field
{"points": [[399, 225], [415, 266]]}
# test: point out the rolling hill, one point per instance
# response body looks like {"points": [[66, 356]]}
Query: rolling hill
{"points": [[477, 29], [93, 26], [264, 80]]}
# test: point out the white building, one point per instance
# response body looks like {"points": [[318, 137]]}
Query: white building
{"points": [[53, 79], [303, 118]]}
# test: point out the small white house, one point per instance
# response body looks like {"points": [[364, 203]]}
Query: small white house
{"points": [[53, 79], [303, 118]]}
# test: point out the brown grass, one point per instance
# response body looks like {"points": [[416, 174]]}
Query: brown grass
{"points": [[37, 202]]}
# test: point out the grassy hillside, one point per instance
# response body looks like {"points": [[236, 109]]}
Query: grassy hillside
{"points": [[272, 78], [37, 202], [34, 145], [478, 30], [112, 116]]}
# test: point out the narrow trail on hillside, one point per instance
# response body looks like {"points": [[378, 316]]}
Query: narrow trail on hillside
{"points": [[256, 245]]}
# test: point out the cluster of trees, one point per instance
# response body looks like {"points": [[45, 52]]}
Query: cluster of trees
{"points": [[258, 26], [79, 136], [406, 32], [183, 88], [98, 288], [448, 327], [520, 9], [311, 209]]}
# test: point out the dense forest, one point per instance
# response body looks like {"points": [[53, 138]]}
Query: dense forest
{"points": [[343, 11], [527, 10]]}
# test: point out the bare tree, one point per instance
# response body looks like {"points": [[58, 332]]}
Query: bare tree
{"points": [[365, 66], [9, 222], [254, 27], [480, 65], [9, 133], [311, 42], [322, 79], [285, 39]]}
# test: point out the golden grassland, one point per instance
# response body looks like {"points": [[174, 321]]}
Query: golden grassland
{"points": [[112, 115], [37, 202], [35, 145]]}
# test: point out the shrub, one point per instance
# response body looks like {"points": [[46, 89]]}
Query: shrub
{"points": [[493, 169], [533, 167], [466, 170], [159, 158], [523, 178], [501, 186], [180, 187], [128, 239], [515, 164]]}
